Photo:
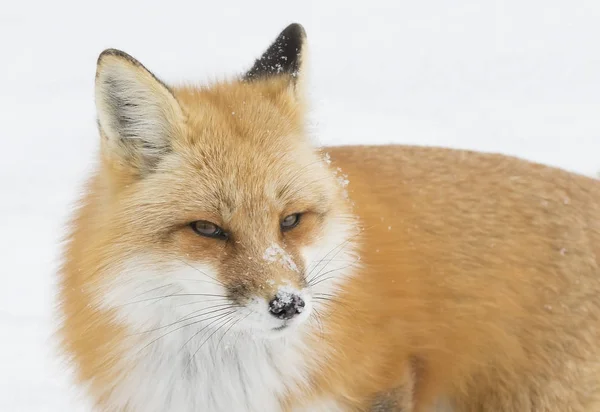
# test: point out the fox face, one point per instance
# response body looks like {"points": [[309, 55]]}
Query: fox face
{"points": [[216, 209]]}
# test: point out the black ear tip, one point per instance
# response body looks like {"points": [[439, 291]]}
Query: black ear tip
{"points": [[282, 57], [294, 31]]}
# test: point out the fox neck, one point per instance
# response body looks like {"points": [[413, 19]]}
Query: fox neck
{"points": [[238, 372]]}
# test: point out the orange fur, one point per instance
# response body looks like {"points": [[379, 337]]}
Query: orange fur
{"points": [[479, 276]]}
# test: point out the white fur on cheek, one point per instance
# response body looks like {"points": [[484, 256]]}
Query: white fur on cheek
{"points": [[332, 258], [184, 352]]}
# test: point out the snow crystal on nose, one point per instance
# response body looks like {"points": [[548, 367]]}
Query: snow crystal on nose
{"points": [[275, 253], [285, 296]]}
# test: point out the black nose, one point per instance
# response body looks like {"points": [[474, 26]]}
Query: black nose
{"points": [[286, 306]]}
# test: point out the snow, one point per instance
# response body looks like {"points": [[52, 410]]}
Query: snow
{"points": [[515, 77], [276, 253]]}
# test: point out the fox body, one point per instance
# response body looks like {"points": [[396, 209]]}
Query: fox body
{"points": [[220, 262]]}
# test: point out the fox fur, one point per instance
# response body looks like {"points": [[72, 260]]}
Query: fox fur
{"points": [[434, 280]]}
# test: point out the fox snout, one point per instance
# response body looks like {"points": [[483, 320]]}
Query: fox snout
{"points": [[270, 273], [270, 282]]}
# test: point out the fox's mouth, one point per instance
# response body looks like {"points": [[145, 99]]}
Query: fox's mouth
{"points": [[282, 330]]}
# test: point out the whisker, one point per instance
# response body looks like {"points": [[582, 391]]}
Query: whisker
{"points": [[172, 295], [333, 301], [212, 334], [200, 271], [332, 298], [332, 250], [324, 280], [228, 329], [318, 278], [329, 295], [203, 301], [181, 327], [197, 280], [153, 289], [189, 317], [320, 272], [219, 317], [224, 306], [341, 246], [325, 257], [324, 264], [208, 338], [317, 316], [320, 262]]}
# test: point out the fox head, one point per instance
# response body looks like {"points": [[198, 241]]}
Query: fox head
{"points": [[211, 203]]}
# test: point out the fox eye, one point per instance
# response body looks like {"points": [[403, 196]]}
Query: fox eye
{"points": [[208, 229], [290, 222]]}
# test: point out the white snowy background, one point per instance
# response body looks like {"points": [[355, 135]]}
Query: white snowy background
{"points": [[519, 77]]}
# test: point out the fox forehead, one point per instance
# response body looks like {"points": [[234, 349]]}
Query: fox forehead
{"points": [[235, 183], [263, 112]]}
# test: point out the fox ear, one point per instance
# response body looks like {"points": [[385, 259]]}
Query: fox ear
{"points": [[284, 57], [137, 114]]}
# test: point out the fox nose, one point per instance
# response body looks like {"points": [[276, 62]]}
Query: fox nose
{"points": [[286, 305]]}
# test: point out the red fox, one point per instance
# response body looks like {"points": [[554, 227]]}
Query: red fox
{"points": [[220, 261]]}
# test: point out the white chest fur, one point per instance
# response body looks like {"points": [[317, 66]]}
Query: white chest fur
{"points": [[241, 374]]}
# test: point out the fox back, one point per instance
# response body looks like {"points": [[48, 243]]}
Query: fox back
{"points": [[220, 261]]}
